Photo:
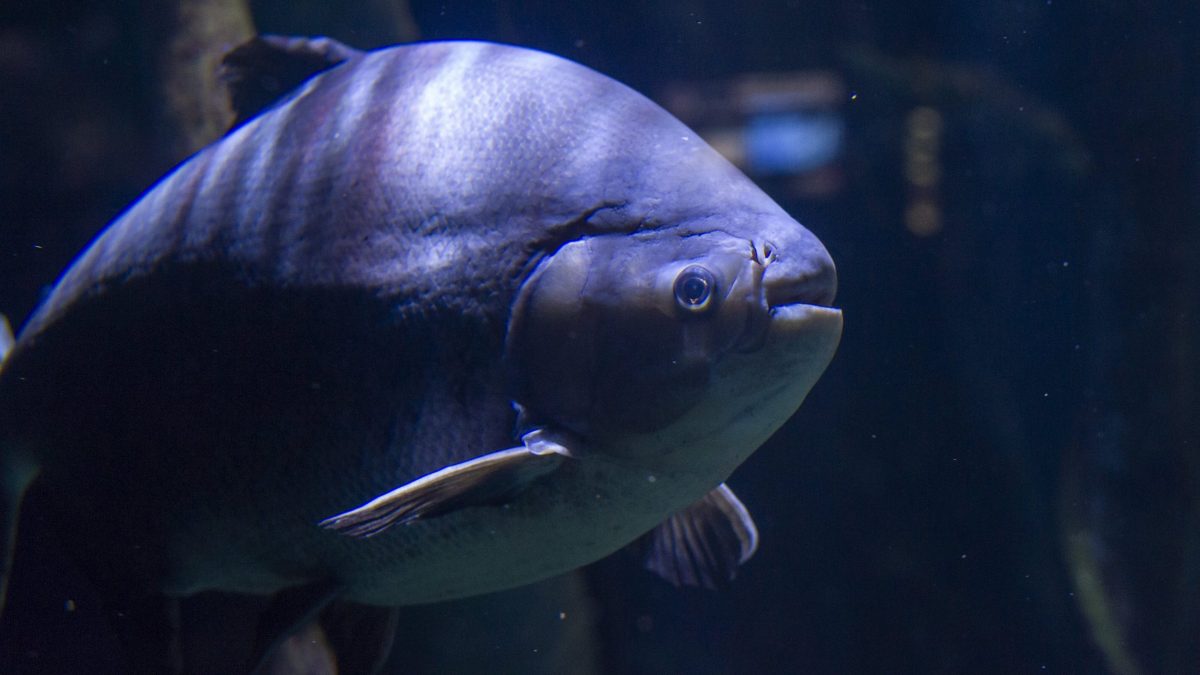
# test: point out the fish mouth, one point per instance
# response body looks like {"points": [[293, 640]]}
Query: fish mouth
{"points": [[789, 322], [801, 292], [793, 304], [797, 294]]}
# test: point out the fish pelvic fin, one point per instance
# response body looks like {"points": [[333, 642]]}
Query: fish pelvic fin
{"points": [[494, 478], [289, 613], [703, 544], [16, 475], [330, 636]]}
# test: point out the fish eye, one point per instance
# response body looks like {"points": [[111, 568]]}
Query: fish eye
{"points": [[694, 288]]}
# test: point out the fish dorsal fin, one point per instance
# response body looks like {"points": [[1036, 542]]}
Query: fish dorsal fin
{"points": [[490, 479], [262, 70], [703, 544]]}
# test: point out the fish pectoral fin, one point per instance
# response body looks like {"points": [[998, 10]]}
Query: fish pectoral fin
{"points": [[703, 544], [266, 68], [493, 478]]}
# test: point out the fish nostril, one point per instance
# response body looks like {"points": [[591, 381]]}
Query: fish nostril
{"points": [[763, 253]]}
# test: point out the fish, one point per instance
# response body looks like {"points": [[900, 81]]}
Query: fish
{"points": [[431, 321]]}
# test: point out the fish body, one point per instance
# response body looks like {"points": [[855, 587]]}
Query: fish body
{"points": [[448, 318]]}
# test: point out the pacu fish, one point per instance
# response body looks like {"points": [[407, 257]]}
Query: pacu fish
{"points": [[445, 319]]}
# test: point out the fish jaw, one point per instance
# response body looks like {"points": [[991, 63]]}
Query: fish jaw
{"points": [[751, 395]]}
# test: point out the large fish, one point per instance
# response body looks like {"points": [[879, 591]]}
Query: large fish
{"points": [[448, 318]]}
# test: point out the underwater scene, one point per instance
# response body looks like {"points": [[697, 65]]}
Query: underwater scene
{"points": [[679, 336]]}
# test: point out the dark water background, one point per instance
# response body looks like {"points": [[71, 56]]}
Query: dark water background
{"points": [[1000, 472]]}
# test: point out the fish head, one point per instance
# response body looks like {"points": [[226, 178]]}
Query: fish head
{"points": [[683, 315], [694, 341]]}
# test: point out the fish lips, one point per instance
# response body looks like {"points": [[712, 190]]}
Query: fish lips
{"points": [[800, 321]]}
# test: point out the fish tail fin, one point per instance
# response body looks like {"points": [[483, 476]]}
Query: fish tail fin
{"points": [[16, 474]]}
